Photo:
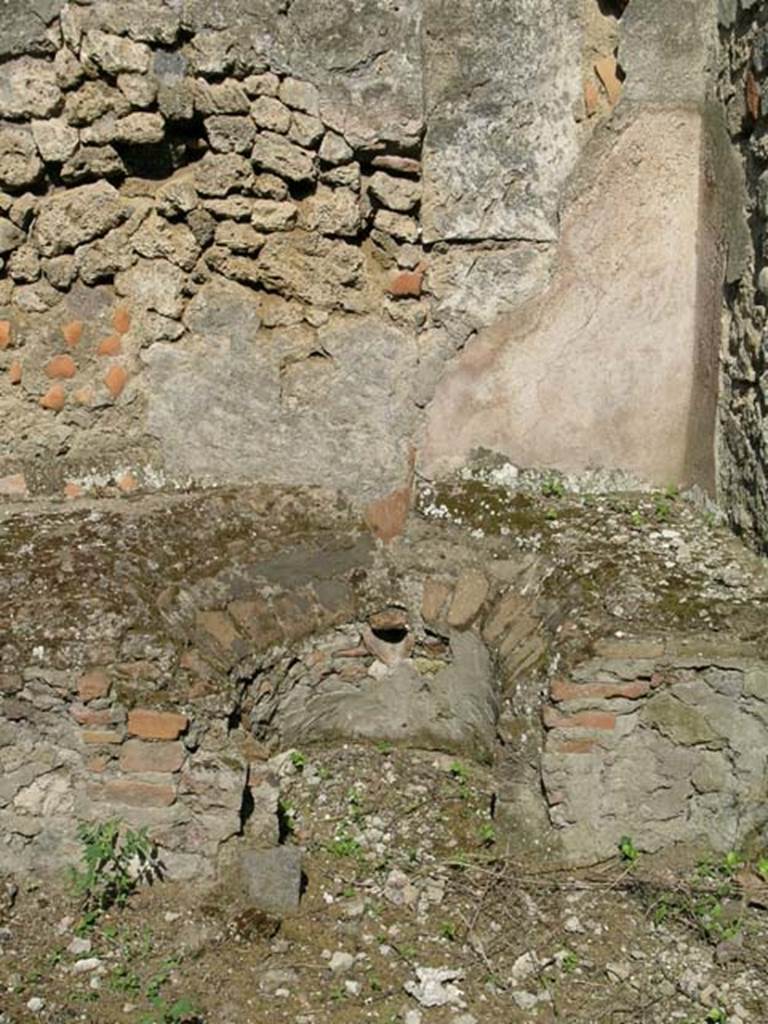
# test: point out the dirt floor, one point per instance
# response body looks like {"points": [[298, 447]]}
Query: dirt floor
{"points": [[403, 873]]}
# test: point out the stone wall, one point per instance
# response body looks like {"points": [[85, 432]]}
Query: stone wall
{"points": [[251, 241], [743, 86], [161, 657]]}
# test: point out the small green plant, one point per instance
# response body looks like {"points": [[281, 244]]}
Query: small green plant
{"points": [[762, 867], [385, 748], [123, 979], [569, 962], [716, 1015], [487, 834], [344, 845], [627, 850], [662, 508], [460, 774], [636, 518], [725, 868], [375, 984], [550, 514], [552, 488], [159, 979], [116, 861], [182, 1011], [298, 760], [448, 931], [286, 818]]}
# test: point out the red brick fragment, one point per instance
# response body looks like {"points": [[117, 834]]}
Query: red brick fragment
{"points": [[752, 95], [14, 372], [591, 97], [5, 333], [54, 398], [61, 367], [607, 70], [102, 737], [560, 690], [121, 320], [127, 483], [139, 756], [93, 684], [575, 747], [603, 720], [14, 486], [406, 284], [386, 517], [140, 794], [72, 490], [156, 725], [115, 379], [90, 716], [111, 346], [72, 333]]}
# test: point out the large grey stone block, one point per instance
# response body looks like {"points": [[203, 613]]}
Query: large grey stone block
{"points": [[272, 879]]}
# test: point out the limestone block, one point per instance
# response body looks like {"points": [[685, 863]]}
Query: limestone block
{"points": [[155, 285], [28, 88], [89, 162], [230, 133], [269, 186], [331, 211], [367, 68], [272, 152], [10, 236], [299, 95], [240, 238], [221, 98], [157, 239], [92, 101], [400, 194], [629, 301], [312, 269], [668, 51], [276, 422], [140, 128], [232, 208], [177, 197], [113, 54], [403, 228], [268, 215], [142, 20], [266, 84], [501, 138], [66, 220], [20, 165], [218, 174], [55, 139], [305, 130], [69, 71], [272, 879], [24, 32], [334, 149], [139, 90], [270, 114]]}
